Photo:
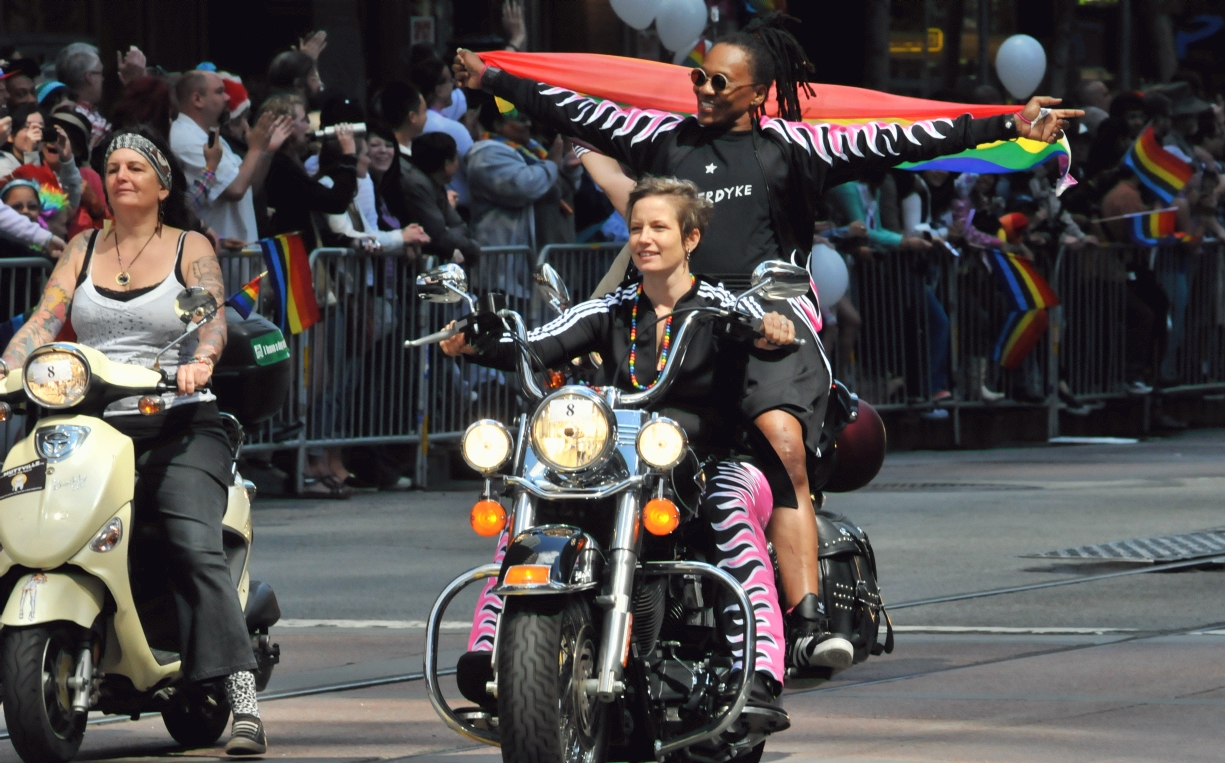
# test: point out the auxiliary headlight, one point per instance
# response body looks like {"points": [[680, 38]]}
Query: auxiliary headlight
{"points": [[486, 445], [572, 429], [661, 443], [56, 377]]}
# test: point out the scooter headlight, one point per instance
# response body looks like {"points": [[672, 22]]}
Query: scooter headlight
{"points": [[661, 443], [486, 445], [572, 429], [56, 376]]}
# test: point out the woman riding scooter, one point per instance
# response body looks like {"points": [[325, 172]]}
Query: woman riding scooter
{"points": [[631, 330], [118, 288]]}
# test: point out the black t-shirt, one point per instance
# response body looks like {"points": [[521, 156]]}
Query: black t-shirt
{"points": [[740, 235]]}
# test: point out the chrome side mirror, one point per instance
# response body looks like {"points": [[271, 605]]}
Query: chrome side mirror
{"points": [[444, 285], [195, 304], [552, 289], [776, 280]]}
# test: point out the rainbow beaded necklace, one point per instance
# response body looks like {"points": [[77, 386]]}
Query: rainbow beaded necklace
{"points": [[663, 350]]}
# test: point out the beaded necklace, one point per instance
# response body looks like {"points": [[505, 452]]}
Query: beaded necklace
{"points": [[663, 351]]}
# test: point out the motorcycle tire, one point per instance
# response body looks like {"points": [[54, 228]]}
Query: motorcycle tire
{"points": [[40, 719], [196, 723], [547, 650]]}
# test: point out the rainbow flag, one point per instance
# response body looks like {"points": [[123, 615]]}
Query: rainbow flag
{"points": [[1021, 333], [1153, 228], [1003, 157], [290, 276], [1025, 289], [244, 299], [666, 87], [1161, 172]]}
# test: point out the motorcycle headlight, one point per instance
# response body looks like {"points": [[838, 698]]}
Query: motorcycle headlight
{"points": [[486, 445], [572, 429], [56, 377], [661, 443]]}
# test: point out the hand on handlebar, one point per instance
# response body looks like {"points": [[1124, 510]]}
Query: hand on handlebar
{"points": [[192, 376], [776, 331], [456, 345]]}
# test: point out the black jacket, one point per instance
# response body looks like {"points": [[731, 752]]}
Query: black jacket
{"points": [[799, 160], [426, 204], [294, 194]]}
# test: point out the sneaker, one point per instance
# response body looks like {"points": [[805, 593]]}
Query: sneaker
{"points": [[247, 736], [811, 644], [936, 414], [991, 396], [943, 396]]}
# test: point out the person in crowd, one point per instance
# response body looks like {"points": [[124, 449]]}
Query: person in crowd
{"points": [[434, 80], [237, 121], [5, 76], [221, 182], [184, 452], [1185, 110], [1197, 218], [508, 173], [297, 71], [18, 233], [53, 206], [436, 160], [144, 101], [22, 84], [79, 67], [52, 94], [93, 210], [21, 194], [25, 138], [30, 146], [1094, 98], [1117, 133], [402, 106]]}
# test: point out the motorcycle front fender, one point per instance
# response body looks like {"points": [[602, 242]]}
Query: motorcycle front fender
{"points": [[44, 597], [574, 560]]}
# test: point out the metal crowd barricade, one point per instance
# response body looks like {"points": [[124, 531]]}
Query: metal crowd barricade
{"points": [[21, 287], [581, 266], [1193, 280]]}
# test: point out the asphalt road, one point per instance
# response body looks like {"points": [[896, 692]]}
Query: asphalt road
{"points": [[1122, 669]]}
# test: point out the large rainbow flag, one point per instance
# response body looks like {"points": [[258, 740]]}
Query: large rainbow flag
{"points": [[666, 87], [1161, 172], [290, 276]]}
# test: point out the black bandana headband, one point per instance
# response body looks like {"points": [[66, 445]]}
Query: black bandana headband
{"points": [[145, 148]]}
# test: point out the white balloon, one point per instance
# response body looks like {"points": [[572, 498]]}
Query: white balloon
{"points": [[829, 274], [637, 13], [679, 22], [1021, 64]]}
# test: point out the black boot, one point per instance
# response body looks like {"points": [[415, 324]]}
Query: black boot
{"points": [[810, 642], [473, 671]]}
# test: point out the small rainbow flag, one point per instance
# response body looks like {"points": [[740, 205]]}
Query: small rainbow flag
{"points": [[1002, 157], [1025, 289], [1161, 172], [1153, 228], [244, 299], [289, 271], [1021, 332]]}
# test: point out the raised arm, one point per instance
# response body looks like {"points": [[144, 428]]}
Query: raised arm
{"points": [[201, 268], [53, 309], [607, 174]]}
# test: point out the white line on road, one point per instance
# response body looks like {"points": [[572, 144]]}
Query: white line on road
{"points": [[1007, 630], [447, 625]]}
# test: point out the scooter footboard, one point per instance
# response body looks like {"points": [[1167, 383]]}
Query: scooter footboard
{"points": [[432, 628], [44, 597]]}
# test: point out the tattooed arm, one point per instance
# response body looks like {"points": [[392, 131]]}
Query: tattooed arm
{"points": [[52, 311], [202, 269]]}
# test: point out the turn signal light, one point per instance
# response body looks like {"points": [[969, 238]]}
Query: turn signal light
{"points": [[6, 412], [660, 516], [150, 404], [108, 537], [488, 518], [526, 574]]}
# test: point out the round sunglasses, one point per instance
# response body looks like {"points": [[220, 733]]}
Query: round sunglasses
{"points": [[718, 82]]}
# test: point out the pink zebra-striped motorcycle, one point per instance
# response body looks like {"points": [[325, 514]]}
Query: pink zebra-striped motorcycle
{"points": [[611, 625]]}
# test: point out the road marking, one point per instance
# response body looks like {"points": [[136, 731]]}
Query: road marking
{"points": [[1206, 633], [1007, 630], [447, 625]]}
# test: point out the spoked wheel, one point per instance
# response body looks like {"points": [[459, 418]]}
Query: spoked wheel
{"points": [[547, 652], [36, 666]]}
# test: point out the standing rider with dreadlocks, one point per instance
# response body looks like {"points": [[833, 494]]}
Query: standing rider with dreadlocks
{"points": [[764, 176]]}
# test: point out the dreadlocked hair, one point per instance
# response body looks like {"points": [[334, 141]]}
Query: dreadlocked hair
{"points": [[778, 59]]}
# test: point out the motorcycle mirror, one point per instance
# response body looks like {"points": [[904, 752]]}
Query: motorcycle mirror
{"points": [[195, 304], [775, 280], [552, 289], [444, 285]]}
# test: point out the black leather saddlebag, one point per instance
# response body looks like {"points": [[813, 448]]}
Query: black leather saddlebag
{"points": [[848, 583]]}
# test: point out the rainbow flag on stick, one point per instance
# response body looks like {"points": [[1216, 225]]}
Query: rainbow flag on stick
{"points": [[1153, 228], [1161, 172], [1021, 333], [1025, 289], [245, 298], [289, 274]]}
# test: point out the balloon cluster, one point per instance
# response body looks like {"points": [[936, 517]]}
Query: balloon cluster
{"points": [[680, 23]]}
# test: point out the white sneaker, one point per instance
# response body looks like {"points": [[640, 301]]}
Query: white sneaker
{"points": [[827, 650], [990, 395]]}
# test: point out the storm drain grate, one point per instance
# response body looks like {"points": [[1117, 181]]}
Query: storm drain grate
{"points": [[1163, 548], [945, 487]]}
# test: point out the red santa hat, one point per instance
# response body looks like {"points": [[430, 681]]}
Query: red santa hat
{"points": [[236, 93]]}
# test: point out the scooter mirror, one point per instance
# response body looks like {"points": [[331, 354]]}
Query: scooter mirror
{"points": [[775, 279], [444, 285], [195, 304], [552, 289]]}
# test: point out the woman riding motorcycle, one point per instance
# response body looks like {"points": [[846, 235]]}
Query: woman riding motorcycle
{"points": [[118, 289], [631, 330]]}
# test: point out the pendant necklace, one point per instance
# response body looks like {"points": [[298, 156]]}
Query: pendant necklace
{"points": [[123, 277]]}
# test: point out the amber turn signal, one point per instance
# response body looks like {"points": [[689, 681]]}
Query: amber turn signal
{"points": [[526, 574], [660, 516], [6, 412], [150, 404], [488, 518]]}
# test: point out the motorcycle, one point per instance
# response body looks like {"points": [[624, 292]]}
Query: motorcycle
{"points": [[89, 622], [608, 644]]}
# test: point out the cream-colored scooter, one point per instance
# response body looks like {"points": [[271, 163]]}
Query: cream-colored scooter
{"points": [[90, 622]]}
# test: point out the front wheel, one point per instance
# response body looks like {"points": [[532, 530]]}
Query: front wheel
{"points": [[35, 665], [547, 651]]}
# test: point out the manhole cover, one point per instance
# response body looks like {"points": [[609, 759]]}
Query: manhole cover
{"points": [[1163, 548], [944, 487]]}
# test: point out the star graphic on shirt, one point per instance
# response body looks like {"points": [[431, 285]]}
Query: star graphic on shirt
{"points": [[710, 169]]}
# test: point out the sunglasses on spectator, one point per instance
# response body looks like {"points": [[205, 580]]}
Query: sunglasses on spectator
{"points": [[718, 82]]}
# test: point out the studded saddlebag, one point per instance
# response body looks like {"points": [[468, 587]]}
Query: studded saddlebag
{"points": [[848, 584]]}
